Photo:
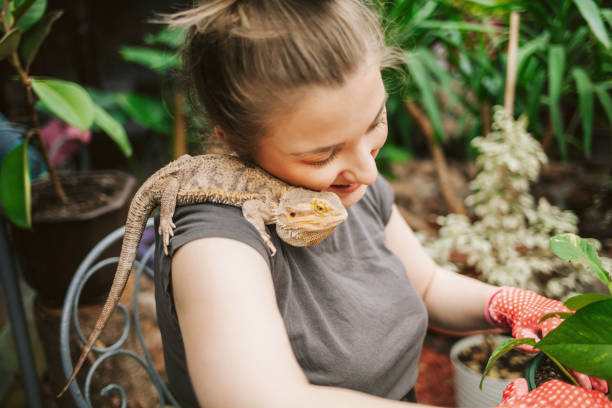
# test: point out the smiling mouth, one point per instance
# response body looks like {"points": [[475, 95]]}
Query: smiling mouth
{"points": [[344, 188]]}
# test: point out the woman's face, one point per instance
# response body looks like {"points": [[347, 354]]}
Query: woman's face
{"points": [[329, 141]]}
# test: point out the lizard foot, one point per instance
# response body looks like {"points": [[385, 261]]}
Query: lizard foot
{"points": [[166, 230]]}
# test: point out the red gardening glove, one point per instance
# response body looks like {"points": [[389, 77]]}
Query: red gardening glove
{"points": [[551, 394], [522, 310]]}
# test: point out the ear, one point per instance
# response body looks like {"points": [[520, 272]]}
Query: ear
{"points": [[220, 133]]}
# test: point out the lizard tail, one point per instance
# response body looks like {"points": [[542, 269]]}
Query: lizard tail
{"points": [[140, 209]]}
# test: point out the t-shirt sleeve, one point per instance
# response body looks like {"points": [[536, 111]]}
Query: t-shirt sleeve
{"points": [[383, 197], [214, 220]]}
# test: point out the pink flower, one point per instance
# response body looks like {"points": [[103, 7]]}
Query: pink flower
{"points": [[63, 140]]}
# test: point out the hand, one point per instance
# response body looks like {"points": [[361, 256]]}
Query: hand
{"points": [[551, 394], [522, 310]]}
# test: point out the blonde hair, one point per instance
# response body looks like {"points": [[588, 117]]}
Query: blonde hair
{"points": [[246, 60]]}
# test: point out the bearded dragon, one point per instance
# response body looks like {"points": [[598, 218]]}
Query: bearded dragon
{"points": [[302, 217]]}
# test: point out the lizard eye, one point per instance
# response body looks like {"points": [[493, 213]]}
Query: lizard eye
{"points": [[319, 207], [292, 214]]}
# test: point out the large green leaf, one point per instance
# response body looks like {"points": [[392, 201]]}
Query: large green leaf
{"points": [[583, 341], [156, 60], [423, 82], [579, 301], [69, 101], [585, 103], [15, 186], [556, 66], [570, 247], [501, 349], [146, 111], [590, 12], [36, 35], [32, 13], [112, 128], [9, 43]]}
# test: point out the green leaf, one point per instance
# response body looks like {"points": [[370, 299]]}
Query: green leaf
{"points": [[171, 37], [607, 14], [583, 342], [501, 349], [527, 49], [112, 128], [423, 82], [69, 101], [36, 35], [146, 111], [9, 43], [605, 100], [570, 247], [562, 315], [579, 301], [22, 9], [556, 66], [585, 103], [458, 25], [15, 186], [158, 61], [32, 14], [590, 12]]}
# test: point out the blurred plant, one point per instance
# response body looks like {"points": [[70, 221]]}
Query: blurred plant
{"points": [[507, 243], [565, 56], [161, 114], [456, 70], [25, 26]]}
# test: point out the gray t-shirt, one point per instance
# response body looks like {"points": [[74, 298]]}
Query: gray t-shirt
{"points": [[353, 317]]}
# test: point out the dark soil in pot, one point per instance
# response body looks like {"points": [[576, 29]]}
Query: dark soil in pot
{"points": [[547, 370], [510, 366], [62, 235]]}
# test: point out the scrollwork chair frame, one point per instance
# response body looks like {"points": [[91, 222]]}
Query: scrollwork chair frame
{"points": [[90, 265]]}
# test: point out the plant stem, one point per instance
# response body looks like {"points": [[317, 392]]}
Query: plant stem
{"points": [[27, 85], [511, 67], [454, 205], [554, 360]]}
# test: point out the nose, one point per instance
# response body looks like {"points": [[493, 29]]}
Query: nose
{"points": [[362, 168]]}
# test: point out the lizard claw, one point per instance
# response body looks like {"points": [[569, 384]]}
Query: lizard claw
{"points": [[166, 230]]}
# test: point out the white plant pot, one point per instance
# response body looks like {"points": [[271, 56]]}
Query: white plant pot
{"points": [[467, 392]]}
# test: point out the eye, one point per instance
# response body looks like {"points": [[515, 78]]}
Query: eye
{"points": [[323, 162], [319, 207], [292, 214]]}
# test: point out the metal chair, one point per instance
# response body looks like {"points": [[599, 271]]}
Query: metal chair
{"points": [[90, 265]]}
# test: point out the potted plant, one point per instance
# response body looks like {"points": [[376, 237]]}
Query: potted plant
{"points": [[38, 228], [583, 342]]}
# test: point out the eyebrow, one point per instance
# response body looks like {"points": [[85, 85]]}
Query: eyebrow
{"points": [[326, 148]]}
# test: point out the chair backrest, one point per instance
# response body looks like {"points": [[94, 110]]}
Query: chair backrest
{"points": [[90, 265]]}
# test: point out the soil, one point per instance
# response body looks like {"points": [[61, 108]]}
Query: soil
{"points": [[547, 370], [85, 192], [511, 365]]}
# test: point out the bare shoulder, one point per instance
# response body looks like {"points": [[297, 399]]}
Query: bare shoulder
{"points": [[235, 340]]}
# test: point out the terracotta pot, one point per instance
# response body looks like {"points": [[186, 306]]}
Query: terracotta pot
{"points": [[52, 250]]}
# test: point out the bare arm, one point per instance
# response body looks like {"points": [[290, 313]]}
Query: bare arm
{"points": [[237, 348], [454, 301]]}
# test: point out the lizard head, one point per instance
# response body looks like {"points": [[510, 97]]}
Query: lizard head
{"points": [[305, 217]]}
